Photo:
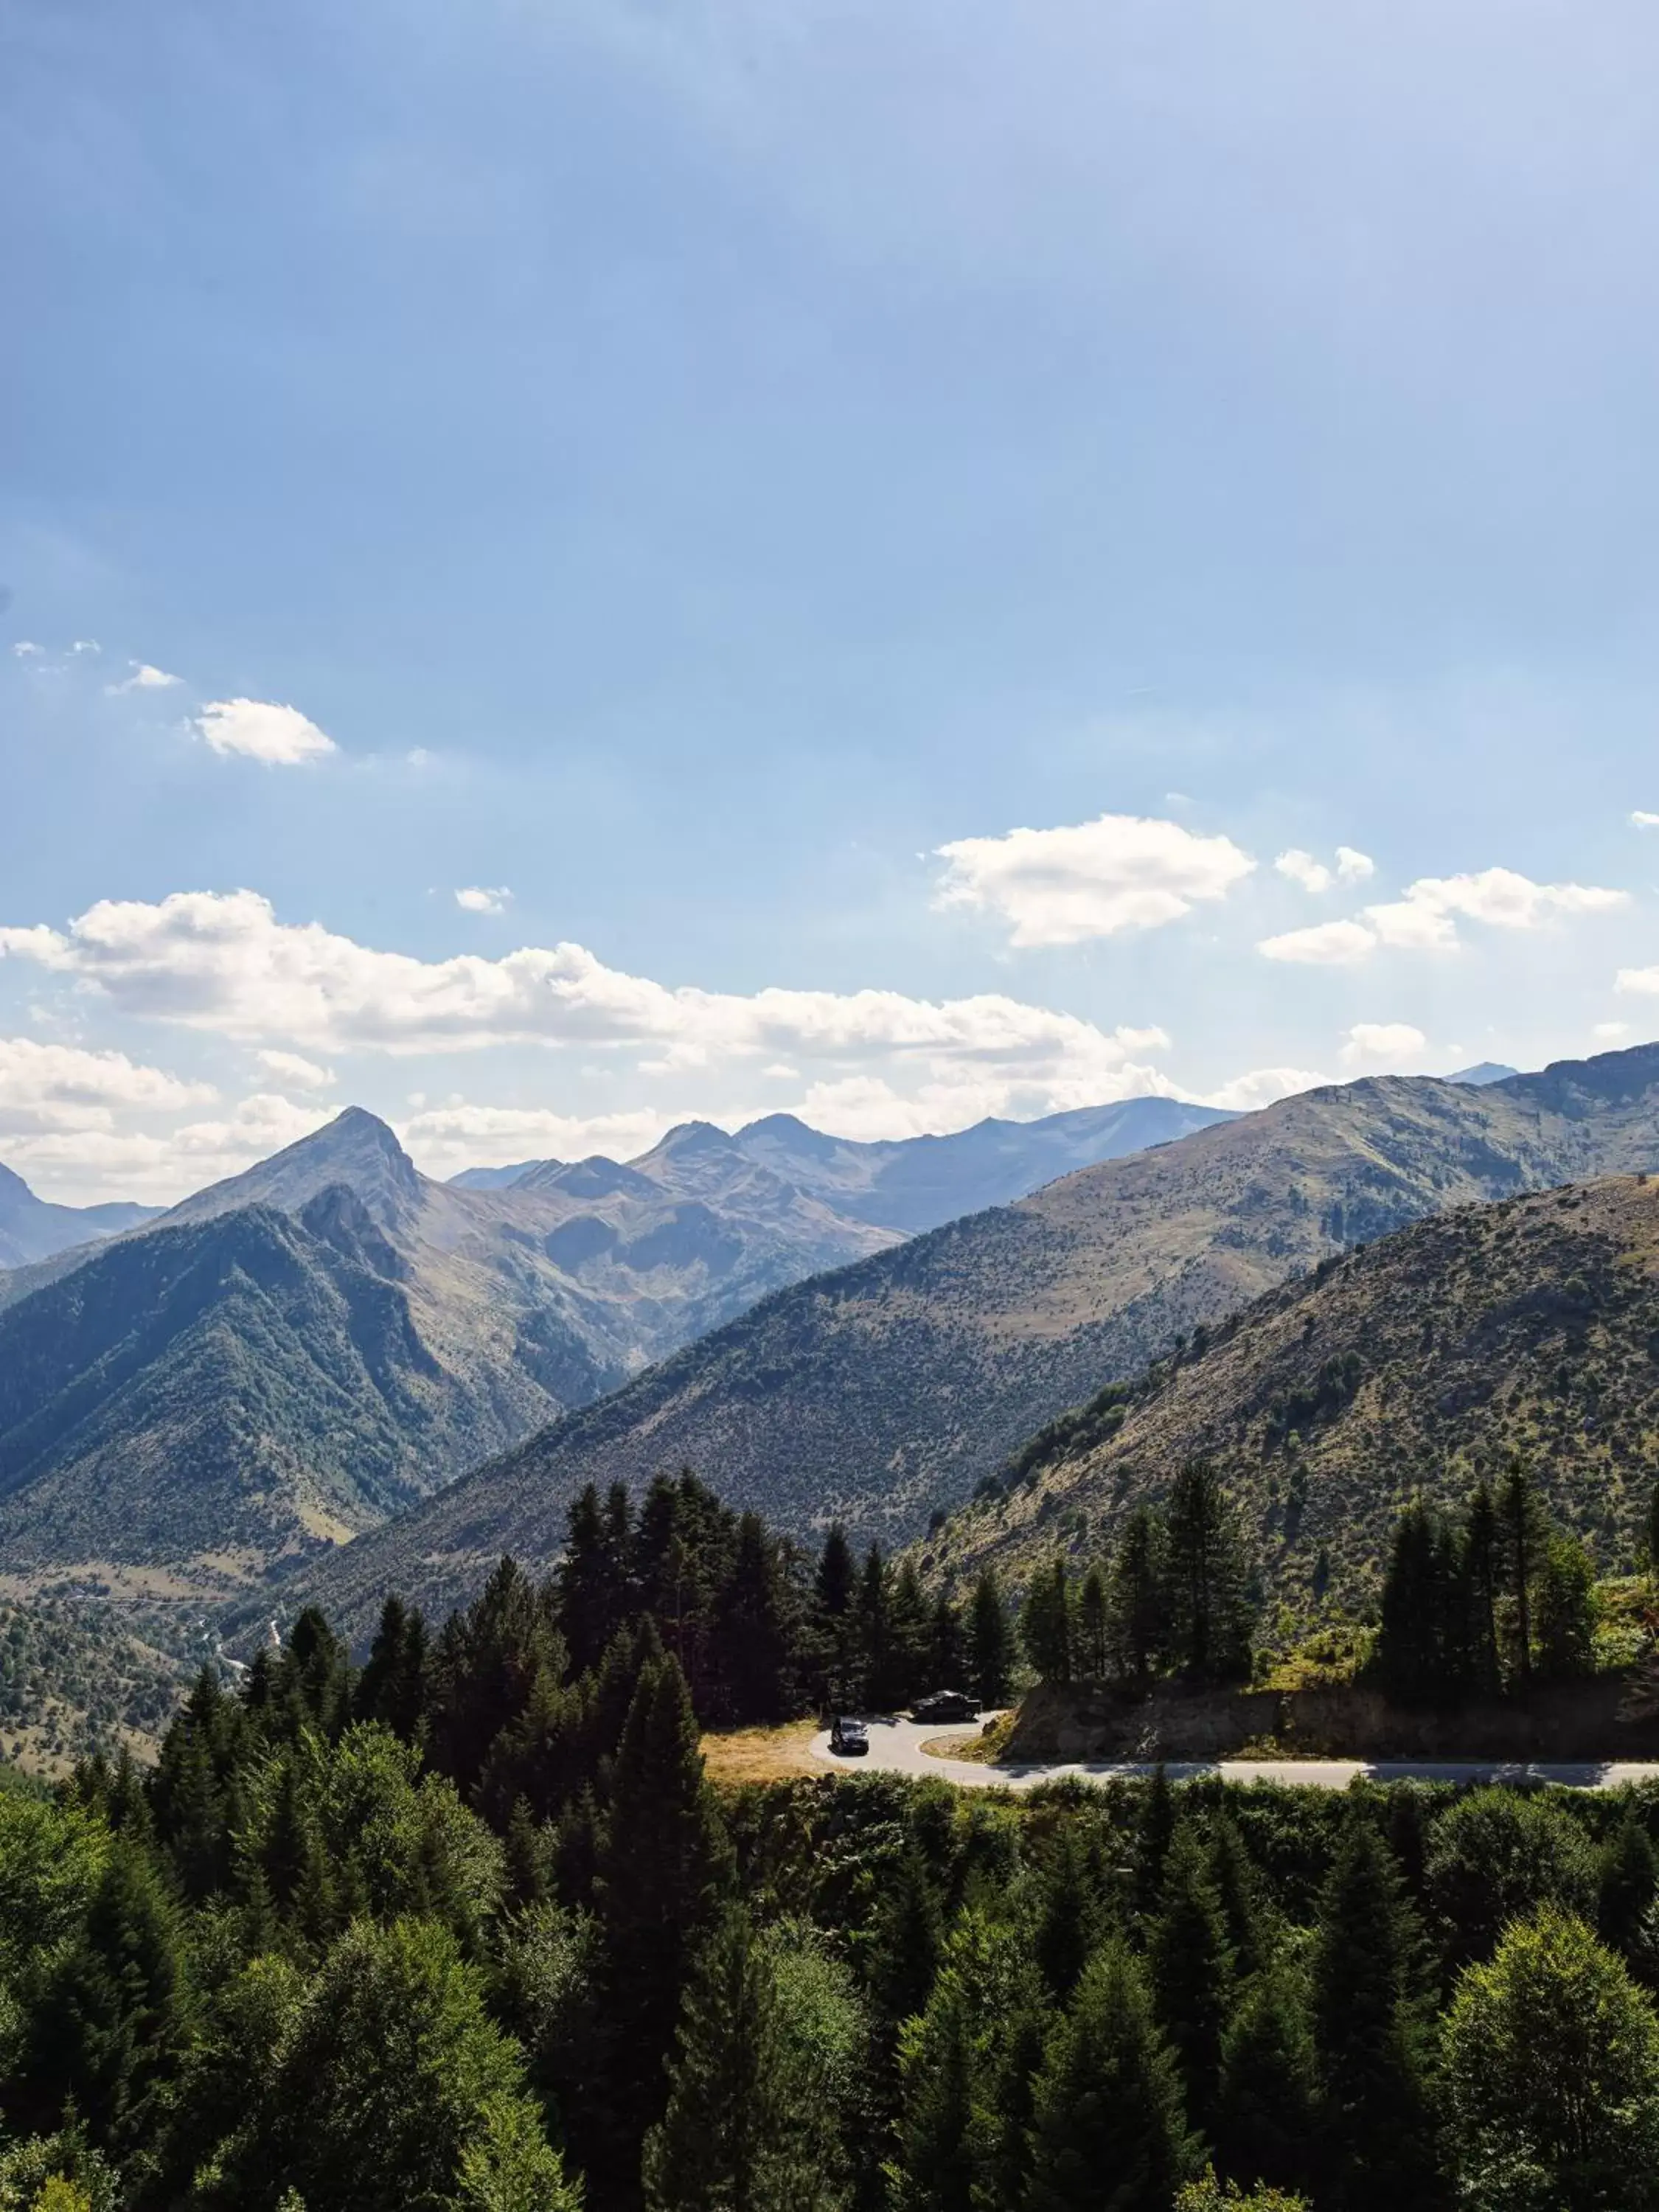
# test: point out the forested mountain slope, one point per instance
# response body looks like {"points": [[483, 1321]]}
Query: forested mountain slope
{"points": [[1530, 1326], [202, 1400], [885, 1391]]}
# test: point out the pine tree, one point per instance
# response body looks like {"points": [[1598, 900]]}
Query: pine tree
{"points": [[393, 1687], [1045, 1622], [835, 1584], [1093, 1658], [1108, 2128], [1627, 1874], [749, 1645], [1071, 1915], [1481, 1577], [875, 1633], [1238, 1887], [911, 1631], [663, 1869], [1209, 1615], [1154, 1830], [1191, 1963], [989, 1646], [1410, 1645], [588, 1581], [906, 1941], [1267, 2112], [1136, 1598], [1522, 1535], [1377, 2137], [104, 2036], [947, 1666], [733, 2137]]}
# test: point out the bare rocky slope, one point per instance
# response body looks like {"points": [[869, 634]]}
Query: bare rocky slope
{"points": [[886, 1391]]}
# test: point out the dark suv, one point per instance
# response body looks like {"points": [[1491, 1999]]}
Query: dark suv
{"points": [[850, 1737], [944, 1705]]}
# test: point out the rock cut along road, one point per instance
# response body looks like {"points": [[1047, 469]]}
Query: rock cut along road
{"points": [[897, 1748]]}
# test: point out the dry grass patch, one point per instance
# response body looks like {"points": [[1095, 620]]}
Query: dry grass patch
{"points": [[761, 1755], [985, 1746]]}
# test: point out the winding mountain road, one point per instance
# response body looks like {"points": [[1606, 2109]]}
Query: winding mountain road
{"points": [[897, 1748]]}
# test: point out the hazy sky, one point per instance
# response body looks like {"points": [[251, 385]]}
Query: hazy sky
{"points": [[568, 566]]}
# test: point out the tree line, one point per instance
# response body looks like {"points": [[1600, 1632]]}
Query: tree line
{"points": [[1174, 1597]]}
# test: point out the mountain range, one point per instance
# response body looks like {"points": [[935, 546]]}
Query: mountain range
{"points": [[284, 1360], [885, 1392], [33, 1228], [1408, 1366]]}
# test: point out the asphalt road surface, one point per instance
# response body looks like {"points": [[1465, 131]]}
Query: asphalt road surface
{"points": [[895, 1747]]}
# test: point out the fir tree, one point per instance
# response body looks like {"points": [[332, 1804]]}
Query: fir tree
{"points": [[750, 1643], [1522, 1536], [875, 1631], [589, 1583], [1267, 2112], [989, 1647], [905, 1942], [1191, 1963], [1071, 1915], [1109, 2134], [911, 1633], [1045, 1623], [392, 1686], [1481, 1579], [1238, 1888], [1209, 1616], [1135, 1597], [733, 2137], [1627, 1875], [1093, 1655], [1377, 2135]]}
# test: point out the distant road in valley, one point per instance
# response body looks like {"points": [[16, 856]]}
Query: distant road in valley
{"points": [[895, 1747]]}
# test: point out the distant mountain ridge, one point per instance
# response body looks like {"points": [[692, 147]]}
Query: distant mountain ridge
{"points": [[33, 1228], [516, 1304], [885, 1391]]}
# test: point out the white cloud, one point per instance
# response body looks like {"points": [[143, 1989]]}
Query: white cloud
{"points": [[1641, 821], [1244, 1094], [81, 1165], [1302, 868], [1095, 879], [443, 1139], [46, 1087], [144, 678], [480, 899], [1424, 919], [86, 646], [26, 649], [1353, 867], [1610, 1032], [299, 1073], [1381, 1044], [1327, 944], [222, 962], [281, 736], [1644, 982]]}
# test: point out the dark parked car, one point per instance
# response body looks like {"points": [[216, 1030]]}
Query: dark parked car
{"points": [[944, 1705], [850, 1737]]}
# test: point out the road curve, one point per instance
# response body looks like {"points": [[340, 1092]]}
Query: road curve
{"points": [[895, 1747]]}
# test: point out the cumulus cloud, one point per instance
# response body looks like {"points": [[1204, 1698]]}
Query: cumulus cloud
{"points": [[1641, 821], [1381, 1044], [281, 736], [481, 899], [1353, 866], [443, 1139], [1097, 878], [298, 1073], [1644, 982], [1426, 919], [46, 1087], [223, 963], [144, 678], [1326, 944], [1261, 1087], [1302, 868], [79, 1164]]}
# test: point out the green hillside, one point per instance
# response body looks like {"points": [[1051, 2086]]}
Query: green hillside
{"points": [[1530, 1326], [887, 1391]]}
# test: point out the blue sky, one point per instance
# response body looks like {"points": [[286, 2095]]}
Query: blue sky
{"points": [[683, 467]]}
